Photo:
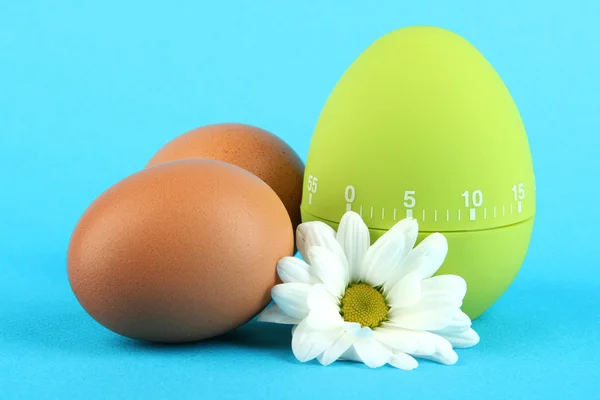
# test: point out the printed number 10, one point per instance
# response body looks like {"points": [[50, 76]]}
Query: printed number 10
{"points": [[476, 198]]}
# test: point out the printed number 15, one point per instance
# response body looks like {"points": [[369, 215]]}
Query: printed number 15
{"points": [[519, 192]]}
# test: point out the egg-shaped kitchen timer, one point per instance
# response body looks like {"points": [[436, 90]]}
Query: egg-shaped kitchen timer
{"points": [[422, 126]]}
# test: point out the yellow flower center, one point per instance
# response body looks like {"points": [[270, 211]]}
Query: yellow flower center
{"points": [[364, 304]]}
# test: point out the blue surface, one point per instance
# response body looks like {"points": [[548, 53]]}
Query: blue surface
{"points": [[89, 92]]}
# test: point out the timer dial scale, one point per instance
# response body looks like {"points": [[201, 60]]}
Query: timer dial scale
{"points": [[422, 126]]}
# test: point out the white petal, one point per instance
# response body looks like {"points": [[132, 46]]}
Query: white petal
{"points": [[308, 344], [422, 316], [384, 256], [459, 332], [372, 353], [406, 292], [416, 343], [411, 342], [426, 259], [403, 361], [302, 234], [463, 340], [384, 259], [275, 315], [291, 298], [350, 355], [459, 323], [448, 287], [354, 238], [337, 349], [324, 311], [410, 228], [329, 269], [293, 269], [358, 331], [318, 233], [301, 240], [429, 255], [324, 320], [320, 299], [448, 357], [441, 299]]}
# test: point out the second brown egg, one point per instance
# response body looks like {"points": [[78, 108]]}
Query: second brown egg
{"points": [[249, 147]]}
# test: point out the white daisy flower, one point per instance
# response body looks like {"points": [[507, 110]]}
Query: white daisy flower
{"points": [[375, 304]]}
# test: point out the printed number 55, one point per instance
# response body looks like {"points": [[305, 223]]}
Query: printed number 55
{"points": [[312, 183]]}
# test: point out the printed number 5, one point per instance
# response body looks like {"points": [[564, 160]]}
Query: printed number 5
{"points": [[312, 183], [409, 199]]}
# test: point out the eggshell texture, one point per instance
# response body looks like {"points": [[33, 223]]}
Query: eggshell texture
{"points": [[180, 252], [249, 147]]}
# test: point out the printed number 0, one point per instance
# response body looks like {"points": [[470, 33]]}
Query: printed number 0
{"points": [[350, 193]]}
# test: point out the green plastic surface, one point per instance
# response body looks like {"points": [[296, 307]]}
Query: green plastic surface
{"points": [[422, 126]]}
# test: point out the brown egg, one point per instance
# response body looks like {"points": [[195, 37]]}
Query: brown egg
{"points": [[249, 147], [180, 252]]}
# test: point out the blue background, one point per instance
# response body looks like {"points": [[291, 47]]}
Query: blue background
{"points": [[89, 92]]}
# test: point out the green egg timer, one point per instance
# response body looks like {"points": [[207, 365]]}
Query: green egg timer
{"points": [[421, 125]]}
